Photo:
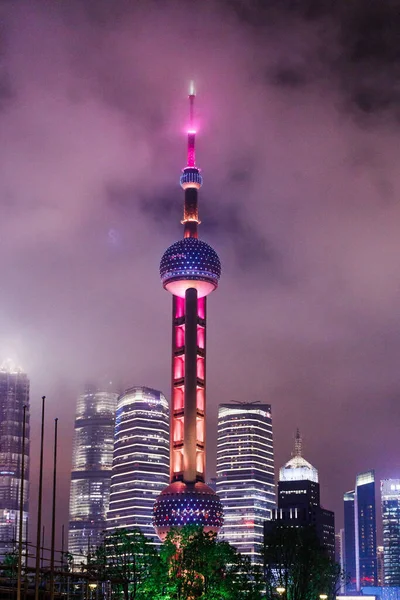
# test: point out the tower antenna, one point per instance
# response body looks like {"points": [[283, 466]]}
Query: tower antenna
{"points": [[191, 152]]}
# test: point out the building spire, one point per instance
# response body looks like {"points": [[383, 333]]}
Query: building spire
{"points": [[191, 151], [298, 444]]}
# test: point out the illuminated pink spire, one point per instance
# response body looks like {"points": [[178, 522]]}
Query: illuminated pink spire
{"points": [[191, 156]]}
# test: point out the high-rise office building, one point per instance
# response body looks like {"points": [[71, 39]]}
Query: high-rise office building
{"points": [[340, 556], [360, 534], [365, 530], [299, 500], [190, 271], [141, 459], [380, 566], [14, 395], [390, 498], [245, 474], [349, 542], [91, 469], [339, 547]]}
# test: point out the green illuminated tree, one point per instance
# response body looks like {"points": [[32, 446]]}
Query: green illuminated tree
{"points": [[9, 566], [128, 561], [198, 566]]}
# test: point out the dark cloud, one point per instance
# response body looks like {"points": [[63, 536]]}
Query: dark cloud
{"points": [[298, 142]]}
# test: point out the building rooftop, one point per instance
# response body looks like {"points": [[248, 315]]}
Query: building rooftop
{"points": [[298, 468], [9, 366]]}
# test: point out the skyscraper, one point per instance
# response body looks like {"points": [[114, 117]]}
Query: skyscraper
{"points": [[380, 566], [365, 530], [141, 459], [91, 468], [14, 395], [349, 541], [245, 474], [299, 500], [340, 556], [190, 270], [339, 548], [390, 497]]}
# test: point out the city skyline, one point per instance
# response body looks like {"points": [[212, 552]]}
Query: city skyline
{"points": [[302, 180]]}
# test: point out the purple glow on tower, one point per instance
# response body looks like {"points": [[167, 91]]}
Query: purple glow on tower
{"points": [[191, 152]]}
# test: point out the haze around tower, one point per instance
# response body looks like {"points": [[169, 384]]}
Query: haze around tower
{"points": [[298, 136]]}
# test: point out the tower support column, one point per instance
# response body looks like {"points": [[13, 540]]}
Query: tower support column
{"points": [[190, 418]]}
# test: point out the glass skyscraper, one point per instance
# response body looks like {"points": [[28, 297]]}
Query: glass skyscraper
{"points": [[141, 459], [390, 496], [349, 542], [14, 395], [361, 566], [91, 469], [245, 474], [365, 530]]}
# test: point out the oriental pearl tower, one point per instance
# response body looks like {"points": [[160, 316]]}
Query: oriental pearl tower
{"points": [[190, 270]]}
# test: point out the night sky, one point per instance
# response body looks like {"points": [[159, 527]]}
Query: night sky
{"points": [[298, 141]]}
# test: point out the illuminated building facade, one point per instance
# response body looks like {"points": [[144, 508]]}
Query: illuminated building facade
{"points": [[390, 497], [141, 459], [190, 270], [380, 566], [361, 565], [14, 395], [299, 500], [91, 469], [340, 556], [365, 530], [349, 541], [245, 474]]}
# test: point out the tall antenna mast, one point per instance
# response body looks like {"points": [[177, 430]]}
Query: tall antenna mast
{"points": [[191, 154]]}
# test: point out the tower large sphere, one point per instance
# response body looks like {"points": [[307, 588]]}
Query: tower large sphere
{"points": [[187, 504], [190, 263]]}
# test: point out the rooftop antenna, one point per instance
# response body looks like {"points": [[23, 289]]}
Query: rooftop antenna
{"points": [[298, 444]]}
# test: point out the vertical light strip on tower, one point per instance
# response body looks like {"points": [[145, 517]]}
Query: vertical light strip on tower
{"points": [[190, 270]]}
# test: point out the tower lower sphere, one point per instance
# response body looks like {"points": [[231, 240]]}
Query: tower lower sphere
{"points": [[187, 504]]}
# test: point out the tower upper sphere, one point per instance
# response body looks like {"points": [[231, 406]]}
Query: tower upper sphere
{"points": [[190, 263]]}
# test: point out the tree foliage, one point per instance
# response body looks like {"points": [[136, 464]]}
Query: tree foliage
{"points": [[128, 561], [296, 561], [9, 565], [196, 565], [192, 565]]}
